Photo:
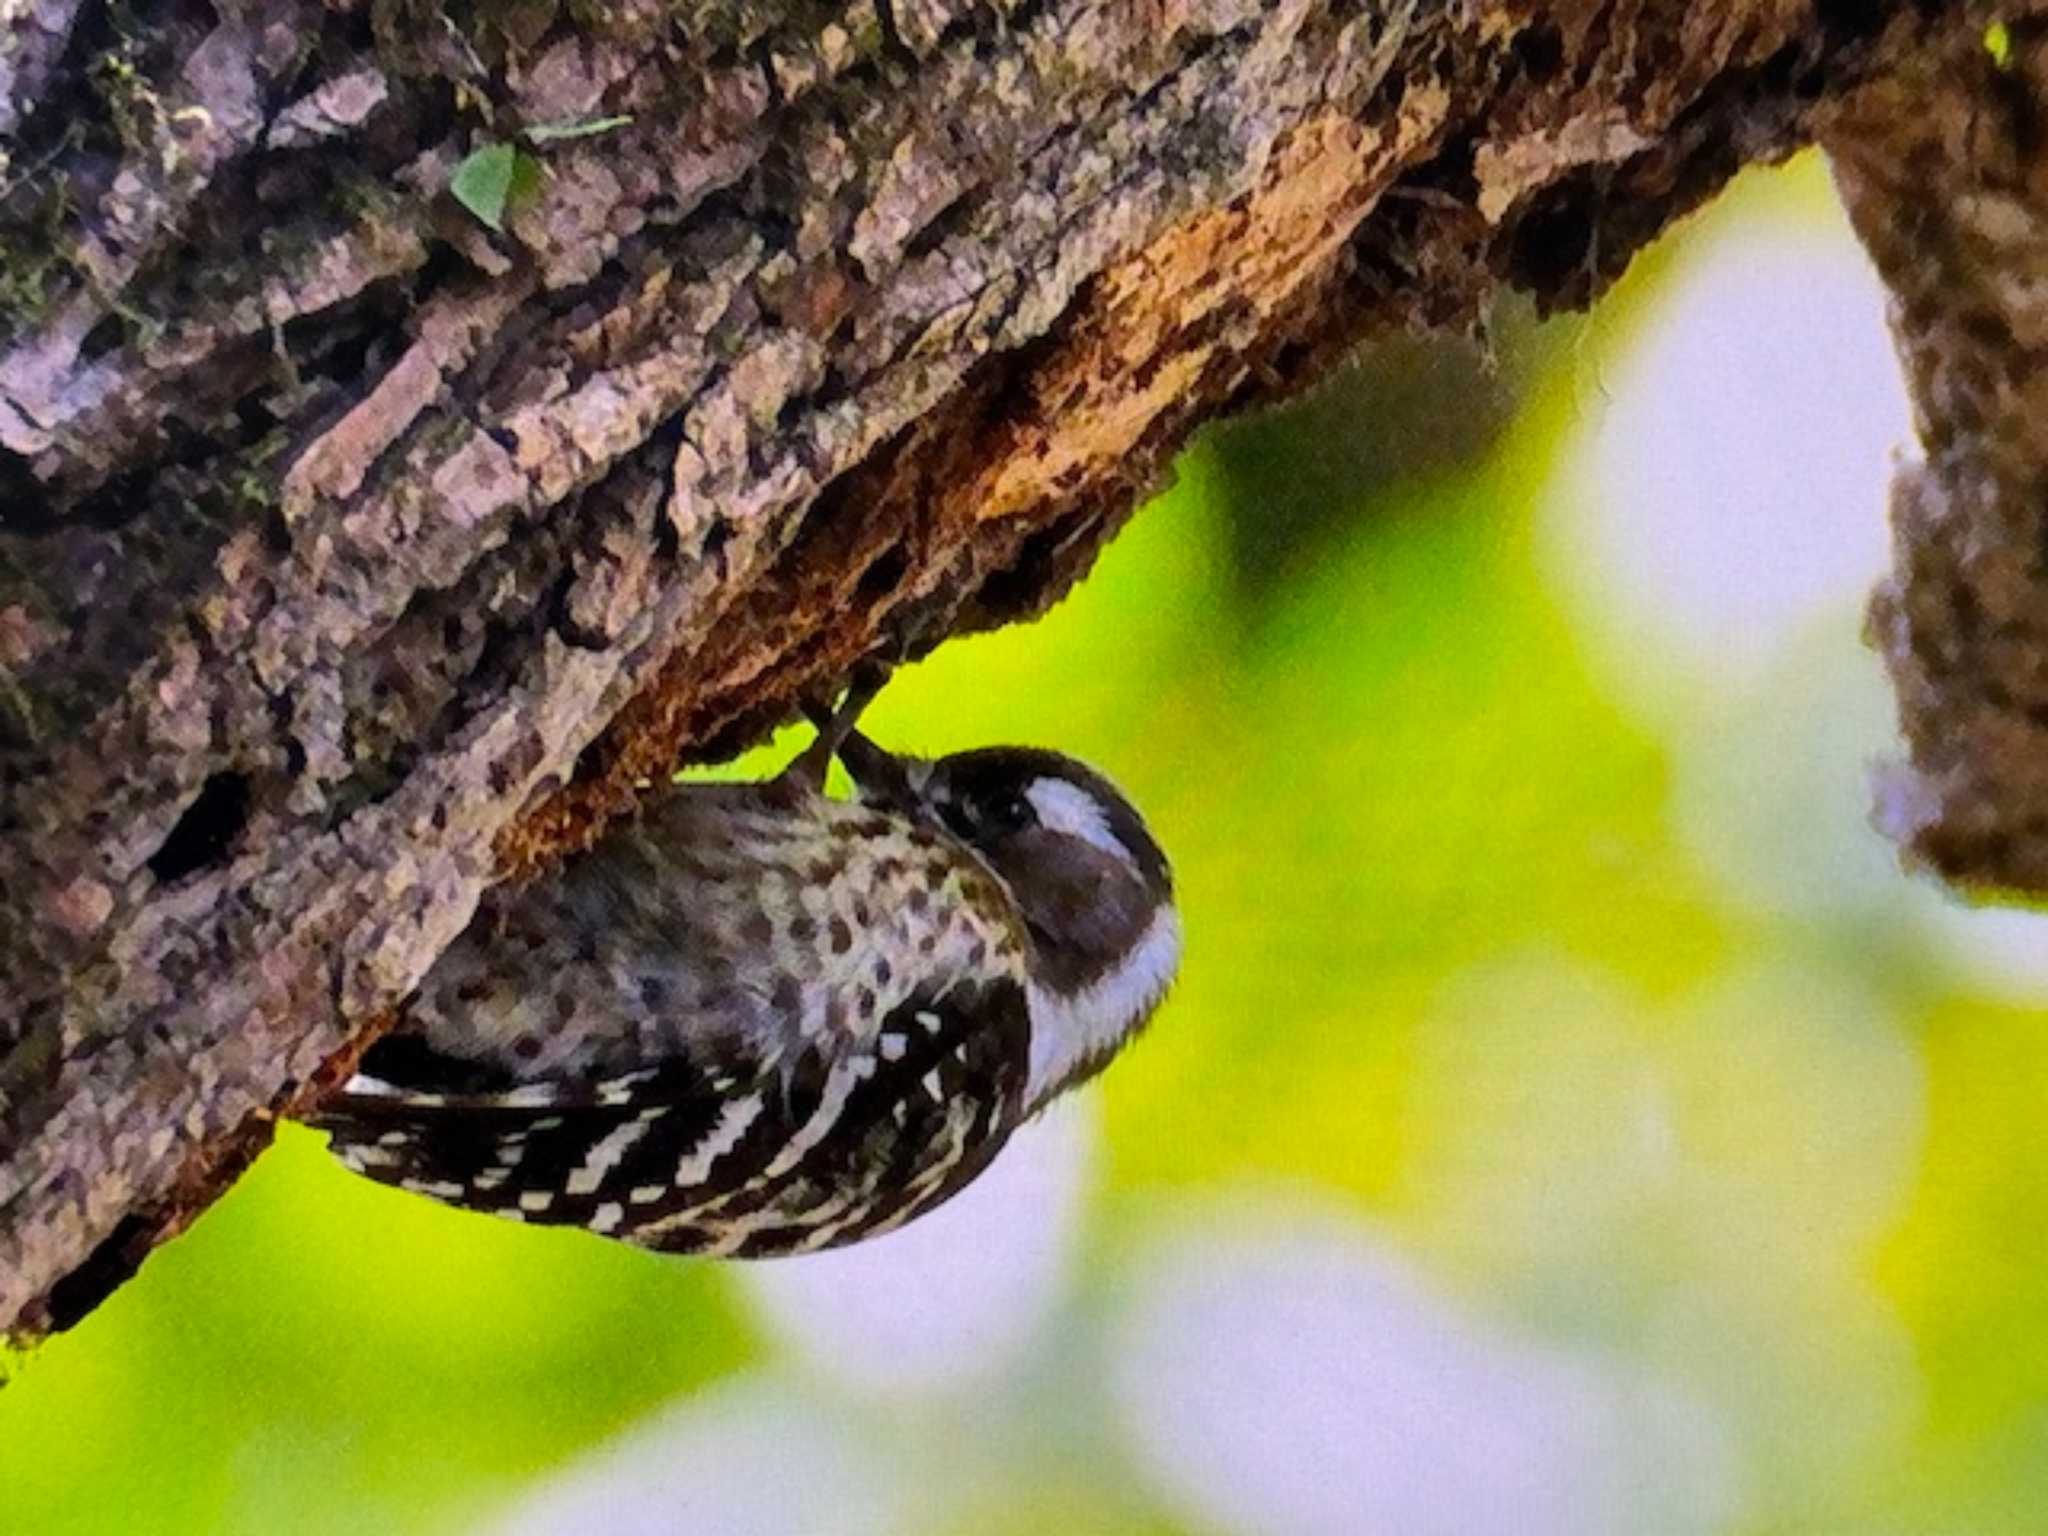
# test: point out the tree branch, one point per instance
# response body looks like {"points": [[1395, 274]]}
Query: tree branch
{"points": [[357, 555], [1941, 168]]}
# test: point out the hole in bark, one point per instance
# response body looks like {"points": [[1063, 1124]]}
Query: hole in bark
{"points": [[2022, 112], [1541, 51], [106, 336], [345, 358], [884, 574], [943, 224], [1849, 18], [1551, 245], [254, 418], [593, 761], [1018, 586], [347, 341], [24, 500], [277, 532], [208, 828], [1451, 171]]}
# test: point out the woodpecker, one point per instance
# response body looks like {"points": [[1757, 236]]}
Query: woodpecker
{"points": [[759, 1020]]}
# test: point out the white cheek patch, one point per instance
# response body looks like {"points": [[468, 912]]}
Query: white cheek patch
{"points": [[1070, 1033], [1070, 809]]}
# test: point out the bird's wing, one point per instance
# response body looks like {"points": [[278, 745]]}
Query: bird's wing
{"points": [[853, 1135]]}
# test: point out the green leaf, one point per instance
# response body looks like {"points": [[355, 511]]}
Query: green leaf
{"points": [[484, 180], [574, 128], [527, 172]]}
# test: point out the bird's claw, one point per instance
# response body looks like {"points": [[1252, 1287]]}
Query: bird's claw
{"points": [[836, 724]]}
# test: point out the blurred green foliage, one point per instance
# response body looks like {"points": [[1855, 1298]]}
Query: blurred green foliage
{"points": [[1450, 955]]}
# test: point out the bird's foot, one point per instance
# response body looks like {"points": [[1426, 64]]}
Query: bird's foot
{"points": [[836, 725]]}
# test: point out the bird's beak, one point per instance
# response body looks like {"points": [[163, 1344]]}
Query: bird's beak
{"points": [[885, 780]]}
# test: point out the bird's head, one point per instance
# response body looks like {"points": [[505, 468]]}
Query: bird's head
{"points": [[1088, 879]]}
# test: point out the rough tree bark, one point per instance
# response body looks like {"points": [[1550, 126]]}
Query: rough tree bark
{"points": [[1940, 165], [354, 555]]}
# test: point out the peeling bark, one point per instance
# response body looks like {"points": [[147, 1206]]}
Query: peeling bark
{"points": [[356, 555]]}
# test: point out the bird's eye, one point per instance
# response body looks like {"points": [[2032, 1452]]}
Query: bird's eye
{"points": [[978, 819], [1008, 813]]}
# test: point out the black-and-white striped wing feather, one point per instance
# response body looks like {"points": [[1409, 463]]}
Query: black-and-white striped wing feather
{"points": [[699, 1157]]}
